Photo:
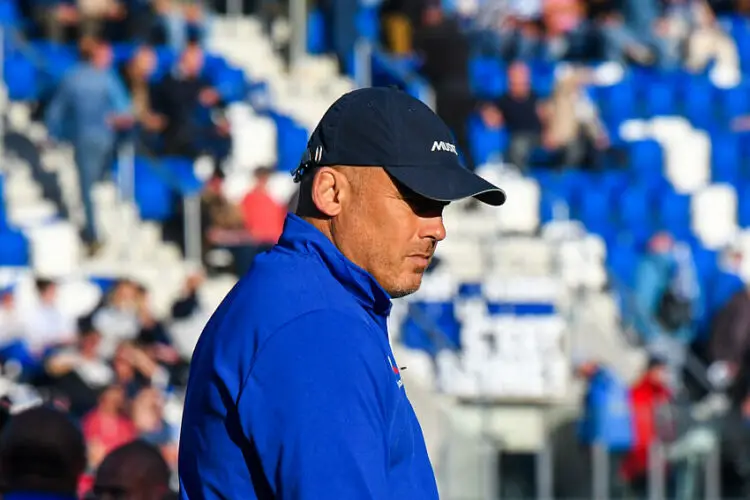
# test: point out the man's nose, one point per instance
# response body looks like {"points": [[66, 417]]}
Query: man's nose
{"points": [[433, 227]]}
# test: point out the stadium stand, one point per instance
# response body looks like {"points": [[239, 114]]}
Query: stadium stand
{"points": [[517, 299]]}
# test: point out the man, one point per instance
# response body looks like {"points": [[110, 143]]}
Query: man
{"points": [[522, 113], [134, 470], [294, 392], [47, 326], [42, 455], [88, 109]]}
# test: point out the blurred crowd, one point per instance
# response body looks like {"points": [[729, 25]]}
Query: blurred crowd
{"points": [[112, 371], [664, 34]]}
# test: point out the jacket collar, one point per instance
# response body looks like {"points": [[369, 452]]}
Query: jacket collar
{"points": [[300, 235]]}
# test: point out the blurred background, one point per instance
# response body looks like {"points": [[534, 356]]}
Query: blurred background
{"points": [[589, 339]]}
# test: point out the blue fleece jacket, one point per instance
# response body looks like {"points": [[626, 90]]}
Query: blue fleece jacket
{"points": [[294, 393]]}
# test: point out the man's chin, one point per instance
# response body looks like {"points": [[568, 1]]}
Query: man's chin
{"points": [[406, 289]]}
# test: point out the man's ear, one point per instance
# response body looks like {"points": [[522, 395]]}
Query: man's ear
{"points": [[327, 189]]}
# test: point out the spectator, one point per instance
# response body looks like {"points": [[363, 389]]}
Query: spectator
{"points": [[184, 100], [90, 105], [117, 319], [607, 419], [189, 317], [522, 113], [649, 398], [726, 283], [180, 22], [729, 341], [575, 130], [735, 443], [133, 470], [638, 31], [42, 455], [46, 326], [11, 326], [226, 227], [564, 25], [148, 417], [445, 61], [58, 20], [708, 42], [137, 75], [668, 298], [108, 425], [79, 373], [263, 215], [135, 369]]}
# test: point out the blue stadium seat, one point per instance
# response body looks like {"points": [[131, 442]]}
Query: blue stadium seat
{"points": [[153, 194], [622, 263], [21, 78], [9, 15], [368, 23], [230, 83], [487, 77], [661, 99], [698, 103], [635, 208], [594, 207], [3, 217], [316, 32], [485, 142], [674, 212], [291, 142], [14, 249], [470, 290], [180, 175], [542, 78], [617, 102], [646, 162], [726, 158], [734, 102], [743, 205], [431, 326]]}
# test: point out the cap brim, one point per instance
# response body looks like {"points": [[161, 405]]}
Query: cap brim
{"points": [[447, 184]]}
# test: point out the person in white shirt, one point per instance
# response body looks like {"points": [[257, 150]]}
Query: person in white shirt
{"points": [[45, 325], [79, 373], [11, 328], [118, 319]]}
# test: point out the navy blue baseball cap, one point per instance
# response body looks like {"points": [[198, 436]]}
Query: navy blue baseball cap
{"points": [[385, 127]]}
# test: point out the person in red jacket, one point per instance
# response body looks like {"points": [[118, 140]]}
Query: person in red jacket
{"points": [[648, 398]]}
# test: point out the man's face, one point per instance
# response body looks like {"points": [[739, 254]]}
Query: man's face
{"points": [[388, 230]]}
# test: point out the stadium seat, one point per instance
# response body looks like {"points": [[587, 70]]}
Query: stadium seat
{"points": [[14, 249], [316, 32], [616, 102], [726, 160], [674, 211], [291, 142], [635, 207], [646, 161], [21, 78], [487, 77], [661, 99], [734, 102], [486, 143], [698, 105], [622, 262]]}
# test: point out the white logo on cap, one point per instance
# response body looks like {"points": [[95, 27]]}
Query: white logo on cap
{"points": [[444, 146]]}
